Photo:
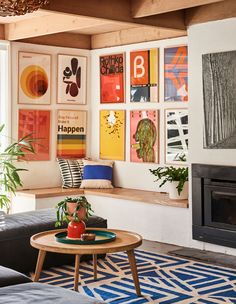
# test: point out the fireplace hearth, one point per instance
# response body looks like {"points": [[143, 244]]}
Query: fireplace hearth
{"points": [[214, 204]]}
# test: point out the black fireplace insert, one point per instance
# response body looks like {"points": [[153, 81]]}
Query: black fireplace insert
{"points": [[214, 204]]}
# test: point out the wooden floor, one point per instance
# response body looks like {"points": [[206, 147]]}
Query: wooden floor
{"points": [[157, 247]]}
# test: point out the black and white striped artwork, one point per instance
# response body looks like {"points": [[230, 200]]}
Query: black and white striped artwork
{"points": [[176, 135], [219, 95]]}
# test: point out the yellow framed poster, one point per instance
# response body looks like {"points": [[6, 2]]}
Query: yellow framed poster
{"points": [[112, 134]]}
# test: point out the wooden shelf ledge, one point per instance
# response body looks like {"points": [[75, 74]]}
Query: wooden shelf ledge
{"points": [[144, 196]]}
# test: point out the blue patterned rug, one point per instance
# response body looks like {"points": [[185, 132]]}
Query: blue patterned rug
{"points": [[163, 279]]}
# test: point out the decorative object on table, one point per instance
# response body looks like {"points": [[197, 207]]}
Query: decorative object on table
{"points": [[144, 136], [112, 73], [97, 174], [176, 73], [71, 133], [34, 78], [177, 179], [38, 123], [176, 137], [73, 211], [22, 7], [219, 97], [9, 172], [72, 79], [144, 75], [112, 130], [89, 237], [71, 172]]}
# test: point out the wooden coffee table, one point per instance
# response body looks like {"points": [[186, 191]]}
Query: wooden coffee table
{"points": [[125, 241]]}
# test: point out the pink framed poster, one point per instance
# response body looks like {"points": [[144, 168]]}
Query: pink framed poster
{"points": [[144, 136]]}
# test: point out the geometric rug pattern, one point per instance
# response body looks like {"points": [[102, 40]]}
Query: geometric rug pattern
{"points": [[163, 279]]}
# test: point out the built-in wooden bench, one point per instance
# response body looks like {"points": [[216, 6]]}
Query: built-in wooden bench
{"points": [[151, 197]]}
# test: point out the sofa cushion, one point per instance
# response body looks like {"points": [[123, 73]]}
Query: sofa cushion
{"points": [[39, 293], [12, 277]]}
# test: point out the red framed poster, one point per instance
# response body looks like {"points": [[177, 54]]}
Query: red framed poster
{"points": [[37, 123], [112, 71], [144, 76]]}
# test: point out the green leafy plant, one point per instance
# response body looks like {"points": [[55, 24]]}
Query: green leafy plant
{"points": [[171, 174], [9, 173], [62, 211]]}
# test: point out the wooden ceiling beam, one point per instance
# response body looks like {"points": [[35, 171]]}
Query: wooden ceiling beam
{"points": [[46, 25], [211, 12], [69, 40], [116, 10], [144, 8], [134, 35]]}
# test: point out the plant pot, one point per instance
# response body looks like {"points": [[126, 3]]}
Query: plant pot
{"points": [[75, 229], [173, 192], [71, 207]]}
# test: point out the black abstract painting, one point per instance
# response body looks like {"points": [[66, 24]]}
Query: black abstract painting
{"points": [[219, 96]]}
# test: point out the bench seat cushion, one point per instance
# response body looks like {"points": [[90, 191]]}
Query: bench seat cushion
{"points": [[39, 293]]}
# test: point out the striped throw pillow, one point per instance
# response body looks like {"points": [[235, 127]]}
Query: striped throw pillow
{"points": [[97, 174], [71, 173]]}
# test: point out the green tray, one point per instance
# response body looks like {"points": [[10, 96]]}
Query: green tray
{"points": [[102, 236]]}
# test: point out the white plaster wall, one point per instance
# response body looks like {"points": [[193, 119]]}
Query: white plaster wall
{"points": [[44, 174], [129, 174], [206, 38]]}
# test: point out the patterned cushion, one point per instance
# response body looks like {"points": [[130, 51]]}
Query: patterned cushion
{"points": [[97, 174], [71, 173]]}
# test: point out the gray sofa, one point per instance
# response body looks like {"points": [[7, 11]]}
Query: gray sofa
{"points": [[16, 251], [18, 288]]}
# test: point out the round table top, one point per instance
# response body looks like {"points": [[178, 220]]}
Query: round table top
{"points": [[125, 241]]}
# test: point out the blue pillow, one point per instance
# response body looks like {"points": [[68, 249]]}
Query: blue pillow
{"points": [[97, 174]]}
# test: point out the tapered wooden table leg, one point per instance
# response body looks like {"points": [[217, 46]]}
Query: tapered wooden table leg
{"points": [[76, 279], [133, 267], [95, 266], [39, 266]]}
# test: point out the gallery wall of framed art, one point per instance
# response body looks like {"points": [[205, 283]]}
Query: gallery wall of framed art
{"points": [[156, 80], [50, 81]]}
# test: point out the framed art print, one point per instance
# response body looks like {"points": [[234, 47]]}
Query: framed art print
{"points": [[112, 71], [37, 123], [71, 133], [71, 79], [176, 136], [34, 78], [176, 73], [144, 76], [112, 134], [144, 136]]}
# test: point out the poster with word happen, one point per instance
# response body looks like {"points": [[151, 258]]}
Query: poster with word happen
{"points": [[37, 124], [144, 136], [71, 133], [112, 134], [144, 76], [176, 136], [34, 78], [176, 74], [112, 71], [71, 79]]}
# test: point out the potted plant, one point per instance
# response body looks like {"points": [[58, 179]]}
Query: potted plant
{"points": [[177, 178], [10, 179], [73, 211]]}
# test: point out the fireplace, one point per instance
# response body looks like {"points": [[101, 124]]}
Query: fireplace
{"points": [[214, 204]]}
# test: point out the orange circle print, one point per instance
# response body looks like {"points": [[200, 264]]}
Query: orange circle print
{"points": [[34, 81]]}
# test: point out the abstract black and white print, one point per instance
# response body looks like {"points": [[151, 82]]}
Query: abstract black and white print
{"points": [[176, 135], [219, 95]]}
